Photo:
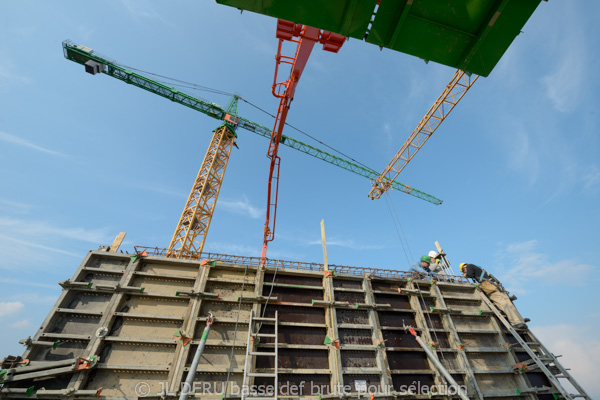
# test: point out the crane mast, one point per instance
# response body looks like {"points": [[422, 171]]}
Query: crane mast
{"points": [[192, 228]]}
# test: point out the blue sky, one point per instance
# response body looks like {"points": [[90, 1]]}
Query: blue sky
{"points": [[517, 162]]}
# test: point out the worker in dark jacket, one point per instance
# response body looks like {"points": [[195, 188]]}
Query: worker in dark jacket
{"points": [[496, 293]]}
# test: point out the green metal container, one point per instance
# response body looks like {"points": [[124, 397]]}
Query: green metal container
{"points": [[471, 35]]}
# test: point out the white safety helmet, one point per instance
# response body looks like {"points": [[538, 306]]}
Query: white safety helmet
{"points": [[433, 254]]}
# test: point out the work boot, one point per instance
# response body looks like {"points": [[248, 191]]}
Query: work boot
{"points": [[520, 326]]}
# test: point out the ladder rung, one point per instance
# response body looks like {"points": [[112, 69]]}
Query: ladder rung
{"points": [[262, 353], [264, 319], [264, 335], [261, 374]]}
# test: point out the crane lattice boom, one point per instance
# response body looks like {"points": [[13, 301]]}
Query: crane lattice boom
{"points": [[456, 89], [82, 55]]}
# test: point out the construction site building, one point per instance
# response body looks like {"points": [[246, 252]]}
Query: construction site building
{"points": [[127, 327]]}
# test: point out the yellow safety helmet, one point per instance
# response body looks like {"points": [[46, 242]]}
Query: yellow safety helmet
{"points": [[462, 266]]}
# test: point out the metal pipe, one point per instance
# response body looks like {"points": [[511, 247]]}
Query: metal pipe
{"points": [[439, 365], [187, 386]]}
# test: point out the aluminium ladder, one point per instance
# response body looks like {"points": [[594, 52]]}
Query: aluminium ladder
{"points": [[254, 336], [543, 362]]}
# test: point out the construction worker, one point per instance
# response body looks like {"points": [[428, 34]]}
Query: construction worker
{"points": [[496, 293], [422, 267], [436, 262]]}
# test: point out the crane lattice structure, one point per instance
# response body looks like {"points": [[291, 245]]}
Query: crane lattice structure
{"points": [[460, 83], [191, 230]]}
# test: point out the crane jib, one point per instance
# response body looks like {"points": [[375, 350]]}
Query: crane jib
{"points": [[82, 55]]}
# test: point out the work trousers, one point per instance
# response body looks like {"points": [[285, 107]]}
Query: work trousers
{"points": [[501, 300]]}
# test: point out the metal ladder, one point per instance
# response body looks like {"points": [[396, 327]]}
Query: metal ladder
{"points": [[543, 362], [252, 336]]}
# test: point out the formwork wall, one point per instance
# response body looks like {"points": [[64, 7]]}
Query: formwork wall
{"points": [[126, 310]]}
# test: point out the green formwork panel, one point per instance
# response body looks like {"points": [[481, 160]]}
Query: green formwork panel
{"points": [[346, 17], [471, 35]]}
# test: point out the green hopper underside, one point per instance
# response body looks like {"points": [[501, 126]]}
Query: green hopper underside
{"points": [[471, 35]]}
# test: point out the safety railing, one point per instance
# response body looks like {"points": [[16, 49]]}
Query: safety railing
{"points": [[296, 265]]}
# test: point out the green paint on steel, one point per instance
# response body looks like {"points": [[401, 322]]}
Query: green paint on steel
{"points": [[470, 35], [80, 56], [346, 17], [204, 334]]}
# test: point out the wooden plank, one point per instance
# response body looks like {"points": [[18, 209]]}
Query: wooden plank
{"points": [[324, 245], [114, 247]]}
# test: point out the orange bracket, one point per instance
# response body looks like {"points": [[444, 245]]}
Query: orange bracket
{"points": [[86, 363]]}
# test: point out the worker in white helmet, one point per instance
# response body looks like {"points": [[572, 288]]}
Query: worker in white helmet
{"points": [[496, 293], [436, 262]]}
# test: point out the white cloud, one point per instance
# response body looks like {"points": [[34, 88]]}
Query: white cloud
{"points": [[387, 132], [524, 155], [25, 143], [16, 206], [24, 323], [565, 83], [241, 207], [25, 31], [8, 76], [29, 244], [30, 229], [31, 297], [591, 177], [9, 308], [527, 266], [580, 350], [140, 8], [144, 9]]}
